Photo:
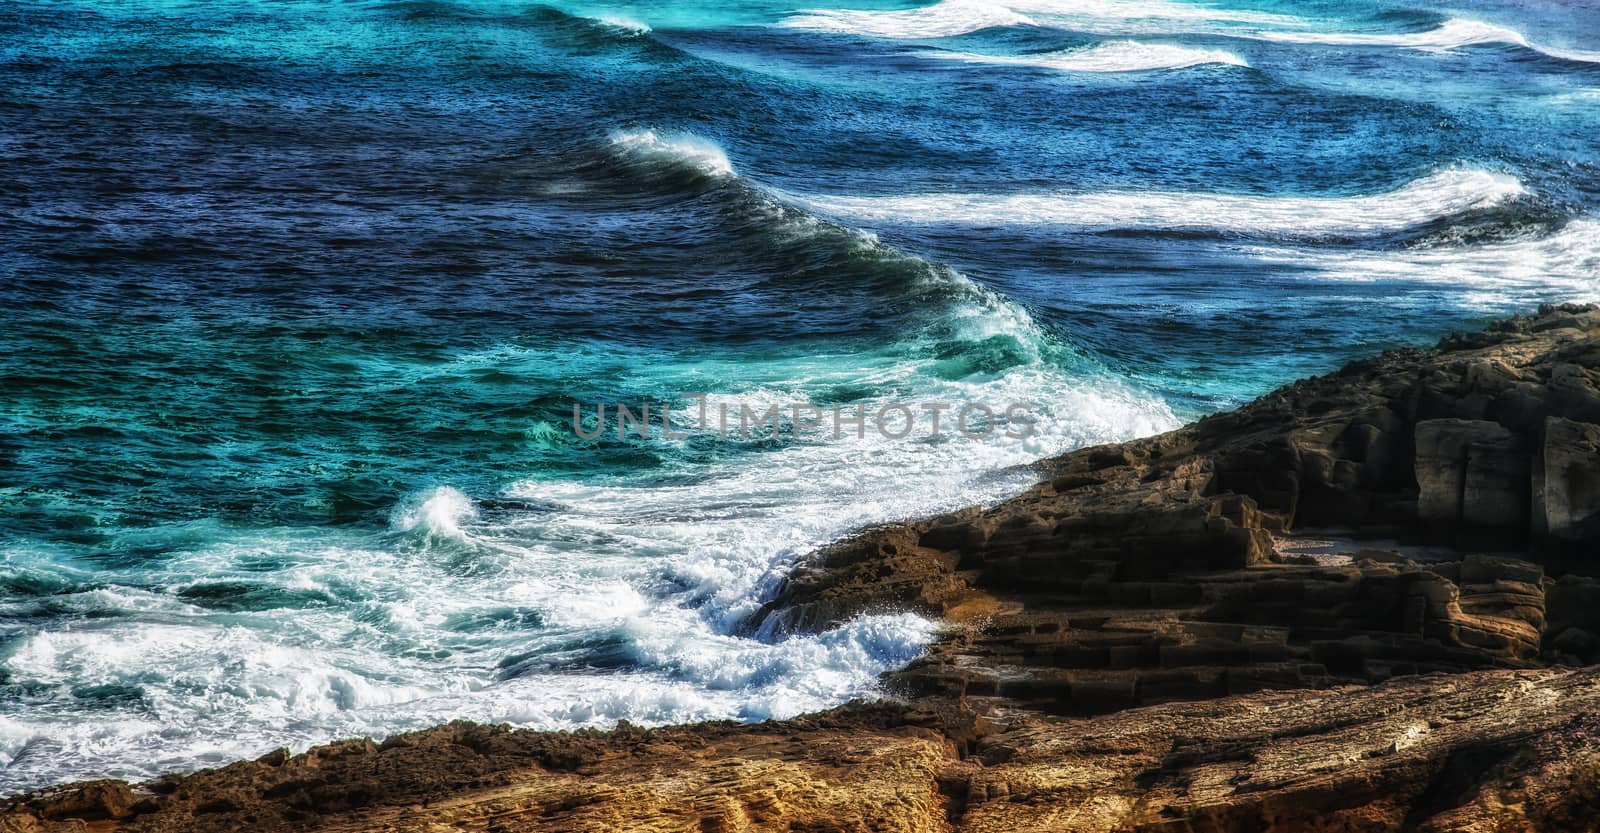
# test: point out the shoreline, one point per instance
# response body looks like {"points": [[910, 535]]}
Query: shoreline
{"points": [[1127, 646]]}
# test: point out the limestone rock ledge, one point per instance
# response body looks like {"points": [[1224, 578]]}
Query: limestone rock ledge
{"points": [[1483, 751], [1150, 639], [1165, 569]]}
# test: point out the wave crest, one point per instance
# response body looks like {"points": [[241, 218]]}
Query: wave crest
{"points": [[439, 512], [959, 17], [625, 24], [1114, 56], [1454, 33], [946, 19], [684, 151], [1443, 194], [1533, 267]]}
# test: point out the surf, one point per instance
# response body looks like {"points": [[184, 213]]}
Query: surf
{"points": [[1443, 194], [943, 19], [1452, 34], [1534, 265], [949, 18], [561, 601], [1115, 56]]}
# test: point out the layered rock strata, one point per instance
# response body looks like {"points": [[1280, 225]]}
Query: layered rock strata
{"points": [[1150, 639], [1151, 571]]}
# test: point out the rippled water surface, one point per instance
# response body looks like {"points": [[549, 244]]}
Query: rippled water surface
{"points": [[296, 298]]}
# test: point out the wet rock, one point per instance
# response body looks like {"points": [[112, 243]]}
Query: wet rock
{"points": [[93, 801], [1567, 493], [1484, 751], [1471, 473]]}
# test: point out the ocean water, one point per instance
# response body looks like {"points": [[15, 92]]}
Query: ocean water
{"points": [[296, 298]]}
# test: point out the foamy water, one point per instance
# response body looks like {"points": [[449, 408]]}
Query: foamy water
{"points": [[958, 17], [290, 359], [1454, 33], [1116, 56], [586, 601], [1431, 198]]}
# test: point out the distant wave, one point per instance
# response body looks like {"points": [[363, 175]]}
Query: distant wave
{"points": [[978, 313], [624, 23], [1451, 34], [1115, 56], [949, 18], [1563, 266], [1441, 195], [958, 17], [944, 19]]}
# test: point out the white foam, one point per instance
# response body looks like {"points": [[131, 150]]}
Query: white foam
{"points": [[1578, 55], [1139, 15], [684, 149], [958, 17], [943, 19], [617, 600], [1454, 33], [733, 532], [1115, 56], [439, 512], [627, 24], [1564, 266], [1442, 194]]}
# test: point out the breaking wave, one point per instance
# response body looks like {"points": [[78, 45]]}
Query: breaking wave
{"points": [[1454, 33], [1116, 56], [1444, 194]]}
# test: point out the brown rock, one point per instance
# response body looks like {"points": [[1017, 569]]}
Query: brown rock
{"points": [[1118, 642], [1470, 472], [1479, 753], [1567, 497]]}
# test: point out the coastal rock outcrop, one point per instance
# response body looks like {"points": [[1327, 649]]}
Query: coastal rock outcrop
{"points": [[1360, 603], [1481, 752], [1172, 568]]}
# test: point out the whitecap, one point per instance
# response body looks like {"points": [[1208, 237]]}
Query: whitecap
{"points": [[624, 23], [1115, 56], [1443, 194], [943, 19], [1454, 33], [438, 512], [679, 149], [1536, 267], [958, 17]]}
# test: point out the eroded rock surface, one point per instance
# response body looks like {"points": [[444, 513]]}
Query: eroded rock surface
{"points": [[1138, 643], [1483, 751], [1149, 571]]}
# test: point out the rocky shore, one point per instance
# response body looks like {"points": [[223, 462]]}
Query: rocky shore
{"points": [[1363, 602]]}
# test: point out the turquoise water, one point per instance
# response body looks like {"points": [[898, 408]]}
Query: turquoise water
{"points": [[296, 299]]}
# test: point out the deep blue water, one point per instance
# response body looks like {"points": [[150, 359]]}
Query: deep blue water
{"points": [[296, 299]]}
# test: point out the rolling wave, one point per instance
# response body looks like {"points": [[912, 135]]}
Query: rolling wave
{"points": [[949, 18], [982, 313], [684, 151], [625, 24], [959, 316], [1454, 33], [560, 601], [1563, 266], [1115, 56], [1443, 194], [943, 19]]}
